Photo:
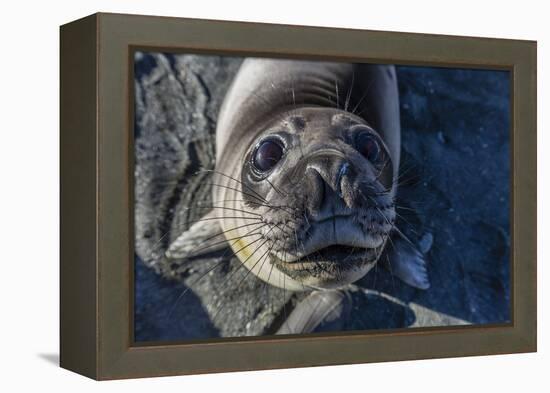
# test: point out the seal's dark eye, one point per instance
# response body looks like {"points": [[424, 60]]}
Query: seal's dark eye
{"points": [[267, 155], [369, 147]]}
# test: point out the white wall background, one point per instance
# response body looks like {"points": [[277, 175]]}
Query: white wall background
{"points": [[29, 164]]}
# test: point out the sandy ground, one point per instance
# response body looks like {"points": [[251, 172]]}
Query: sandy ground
{"points": [[455, 191]]}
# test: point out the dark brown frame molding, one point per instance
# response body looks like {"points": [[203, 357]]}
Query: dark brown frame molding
{"points": [[97, 195]]}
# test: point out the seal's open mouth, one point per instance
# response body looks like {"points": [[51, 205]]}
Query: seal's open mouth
{"points": [[337, 239], [332, 252], [330, 267], [337, 254]]}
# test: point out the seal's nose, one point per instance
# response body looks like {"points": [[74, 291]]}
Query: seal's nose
{"points": [[325, 176]]}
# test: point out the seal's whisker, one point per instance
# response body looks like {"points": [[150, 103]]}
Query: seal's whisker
{"points": [[224, 217], [381, 172], [348, 96], [405, 208], [394, 227], [275, 188], [211, 269], [375, 276], [155, 246], [234, 254], [269, 104], [331, 98], [282, 230], [248, 271], [406, 168], [409, 180], [213, 318], [223, 208], [303, 286], [249, 233], [189, 287], [395, 183], [290, 210], [400, 178], [307, 297], [235, 189], [263, 99], [265, 260], [279, 285], [406, 222], [228, 240], [362, 97], [267, 285], [281, 207], [391, 270], [284, 295], [264, 257], [405, 237], [271, 271], [234, 228], [284, 248], [157, 243], [337, 94], [232, 178]]}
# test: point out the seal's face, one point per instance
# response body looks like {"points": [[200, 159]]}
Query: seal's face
{"points": [[323, 181]]}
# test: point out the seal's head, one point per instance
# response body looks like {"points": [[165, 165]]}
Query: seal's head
{"points": [[323, 181]]}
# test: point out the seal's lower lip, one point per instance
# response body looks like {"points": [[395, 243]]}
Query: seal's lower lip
{"points": [[332, 254]]}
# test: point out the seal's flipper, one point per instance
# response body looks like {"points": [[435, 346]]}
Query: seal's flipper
{"points": [[319, 311], [407, 263], [203, 237]]}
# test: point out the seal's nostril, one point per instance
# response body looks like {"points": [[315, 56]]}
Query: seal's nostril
{"points": [[341, 173], [317, 190]]}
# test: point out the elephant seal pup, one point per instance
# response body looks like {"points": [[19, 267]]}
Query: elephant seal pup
{"points": [[307, 159]]}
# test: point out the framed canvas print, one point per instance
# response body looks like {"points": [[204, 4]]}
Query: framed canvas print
{"points": [[239, 196]]}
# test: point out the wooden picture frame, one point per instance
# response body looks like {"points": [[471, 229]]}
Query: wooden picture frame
{"points": [[96, 194]]}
